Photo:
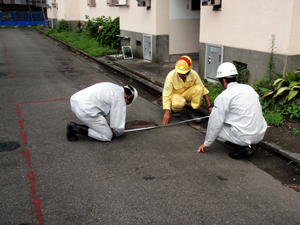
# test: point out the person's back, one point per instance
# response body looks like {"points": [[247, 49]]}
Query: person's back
{"points": [[99, 98], [244, 109]]}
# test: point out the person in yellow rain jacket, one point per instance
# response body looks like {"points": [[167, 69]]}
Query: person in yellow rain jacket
{"points": [[183, 84]]}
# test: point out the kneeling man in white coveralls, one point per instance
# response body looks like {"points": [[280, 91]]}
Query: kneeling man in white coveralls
{"points": [[236, 118], [92, 104]]}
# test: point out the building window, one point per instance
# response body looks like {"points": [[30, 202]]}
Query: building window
{"points": [[112, 2], [91, 3]]}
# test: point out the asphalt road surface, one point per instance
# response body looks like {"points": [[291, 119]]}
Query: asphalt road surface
{"points": [[146, 177]]}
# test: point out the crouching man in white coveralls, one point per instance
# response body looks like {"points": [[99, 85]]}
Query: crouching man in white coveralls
{"points": [[93, 103], [236, 118]]}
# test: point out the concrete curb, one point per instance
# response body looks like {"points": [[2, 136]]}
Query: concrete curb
{"points": [[277, 149], [157, 88]]}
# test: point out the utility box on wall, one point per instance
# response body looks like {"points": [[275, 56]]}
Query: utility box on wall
{"points": [[214, 58], [147, 47], [144, 3]]}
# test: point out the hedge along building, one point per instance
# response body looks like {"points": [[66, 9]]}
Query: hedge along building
{"points": [[163, 30], [242, 31]]}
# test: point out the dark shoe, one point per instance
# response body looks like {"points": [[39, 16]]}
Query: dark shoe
{"points": [[241, 152], [194, 115], [73, 129], [82, 129], [71, 132], [175, 114]]}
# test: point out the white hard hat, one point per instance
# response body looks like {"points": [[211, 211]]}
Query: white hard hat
{"points": [[226, 69], [134, 92]]}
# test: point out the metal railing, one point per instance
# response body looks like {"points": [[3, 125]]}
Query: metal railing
{"points": [[22, 18]]}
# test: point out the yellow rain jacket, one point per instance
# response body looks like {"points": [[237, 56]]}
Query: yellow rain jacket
{"points": [[175, 85]]}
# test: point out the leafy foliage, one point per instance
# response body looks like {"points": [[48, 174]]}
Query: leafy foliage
{"points": [[63, 25], [288, 86], [214, 88], [107, 36], [296, 132], [80, 26], [243, 73], [273, 118], [264, 84], [275, 90]]}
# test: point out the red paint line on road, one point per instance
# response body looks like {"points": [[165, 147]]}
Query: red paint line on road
{"points": [[10, 73], [39, 211], [21, 123], [54, 100], [30, 175], [35, 199], [27, 158], [19, 112], [18, 109], [24, 137]]}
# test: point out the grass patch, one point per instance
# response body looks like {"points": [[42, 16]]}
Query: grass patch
{"points": [[273, 118], [82, 41]]}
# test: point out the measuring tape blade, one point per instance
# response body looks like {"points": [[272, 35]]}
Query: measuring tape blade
{"points": [[164, 125]]}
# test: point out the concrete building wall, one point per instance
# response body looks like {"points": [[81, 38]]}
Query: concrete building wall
{"points": [[135, 22], [294, 43], [184, 28], [244, 29]]}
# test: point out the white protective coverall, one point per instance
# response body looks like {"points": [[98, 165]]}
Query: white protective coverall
{"points": [[236, 117], [93, 103]]}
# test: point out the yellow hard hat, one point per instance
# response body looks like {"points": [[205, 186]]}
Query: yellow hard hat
{"points": [[183, 65]]}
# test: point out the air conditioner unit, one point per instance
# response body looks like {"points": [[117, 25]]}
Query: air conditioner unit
{"points": [[122, 3], [146, 3], [211, 2]]}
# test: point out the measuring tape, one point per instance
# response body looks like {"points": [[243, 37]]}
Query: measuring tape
{"points": [[164, 125]]}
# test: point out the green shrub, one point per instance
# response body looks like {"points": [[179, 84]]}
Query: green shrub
{"points": [[273, 118], [106, 36], [264, 84], [288, 86], [243, 73], [80, 26], [63, 25], [214, 88]]}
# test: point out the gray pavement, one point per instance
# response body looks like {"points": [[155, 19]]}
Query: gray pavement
{"points": [[149, 177]]}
